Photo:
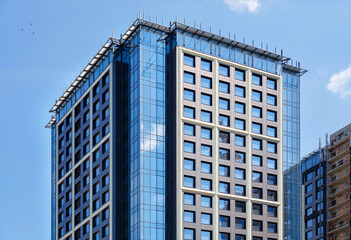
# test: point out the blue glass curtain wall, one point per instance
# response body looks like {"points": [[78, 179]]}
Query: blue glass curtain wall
{"points": [[291, 155], [53, 182], [147, 136]]}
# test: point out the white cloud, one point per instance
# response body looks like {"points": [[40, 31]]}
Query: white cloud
{"points": [[240, 5], [340, 83]]}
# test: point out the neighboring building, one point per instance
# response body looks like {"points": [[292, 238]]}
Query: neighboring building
{"points": [[326, 189], [314, 194], [178, 133], [339, 184]]}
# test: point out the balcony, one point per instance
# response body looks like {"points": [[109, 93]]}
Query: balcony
{"points": [[339, 214], [338, 202], [336, 166], [342, 188]]}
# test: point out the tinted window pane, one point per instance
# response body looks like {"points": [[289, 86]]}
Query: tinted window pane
{"points": [[240, 141], [189, 60], [256, 96], [189, 164], [239, 157], [239, 91], [271, 116], [256, 160], [206, 167], [224, 70], [256, 79], [189, 147], [189, 199], [223, 120], [224, 87], [257, 128], [240, 124], [206, 133], [206, 99], [189, 77], [239, 74], [271, 163], [271, 83], [256, 144], [189, 95], [206, 150], [189, 129], [206, 65], [224, 103], [206, 116], [271, 147], [189, 112], [189, 182], [224, 154], [240, 107], [224, 171], [257, 112], [206, 82], [271, 131], [271, 100]]}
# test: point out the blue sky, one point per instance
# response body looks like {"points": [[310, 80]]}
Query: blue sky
{"points": [[35, 68]]}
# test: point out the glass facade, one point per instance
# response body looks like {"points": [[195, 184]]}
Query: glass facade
{"points": [[147, 136], [291, 155], [53, 182], [141, 70]]}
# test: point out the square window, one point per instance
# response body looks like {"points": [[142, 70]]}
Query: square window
{"points": [[206, 150], [189, 129], [224, 120], [239, 141], [206, 167], [224, 221], [189, 147], [272, 83], [239, 75], [206, 82], [240, 237], [271, 163], [189, 216], [257, 225], [224, 171], [206, 235], [240, 206], [206, 184], [206, 218], [257, 144], [256, 177], [224, 187], [272, 227], [256, 79], [189, 234], [189, 199], [206, 133], [271, 115], [239, 157], [223, 70], [271, 147], [206, 65], [272, 211], [189, 77], [189, 60], [257, 160], [257, 193], [240, 190], [206, 99], [257, 209], [239, 124], [224, 236], [240, 107], [271, 195], [224, 137], [224, 204], [271, 131], [224, 104], [206, 201], [257, 128], [239, 91], [189, 182], [239, 173], [257, 112], [240, 223], [189, 164], [271, 179], [256, 96], [223, 87], [189, 95], [271, 100], [189, 112], [224, 154], [206, 116]]}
